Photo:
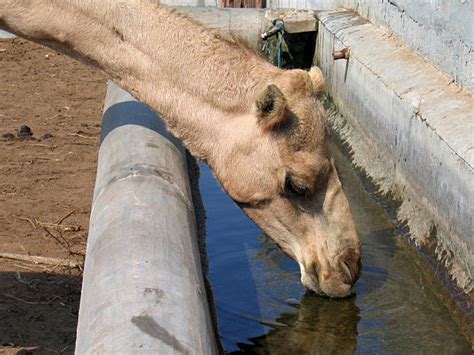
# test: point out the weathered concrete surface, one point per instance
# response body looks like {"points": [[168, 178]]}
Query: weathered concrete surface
{"points": [[143, 289], [420, 128], [193, 3], [247, 23], [294, 21], [440, 30], [250, 23]]}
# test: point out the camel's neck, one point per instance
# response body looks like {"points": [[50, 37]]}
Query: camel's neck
{"points": [[196, 79]]}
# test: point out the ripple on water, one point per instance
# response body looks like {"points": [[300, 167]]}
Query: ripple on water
{"points": [[262, 307]]}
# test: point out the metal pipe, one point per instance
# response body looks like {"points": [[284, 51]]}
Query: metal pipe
{"points": [[344, 53], [143, 289], [278, 27]]}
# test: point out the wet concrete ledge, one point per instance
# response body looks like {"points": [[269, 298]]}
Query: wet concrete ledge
{"points": [[143, 289], [414, 133]]}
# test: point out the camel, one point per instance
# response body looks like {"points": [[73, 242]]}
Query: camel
{"points": [[262, 130]]}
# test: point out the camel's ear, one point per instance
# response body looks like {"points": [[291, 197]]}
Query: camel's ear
{"points": [[271, 106], [317, 79]]}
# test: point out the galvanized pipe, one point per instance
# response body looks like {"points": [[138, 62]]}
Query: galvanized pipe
{"points": [[143, 289]]}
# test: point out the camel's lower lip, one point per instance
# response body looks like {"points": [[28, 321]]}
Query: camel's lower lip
{"points": [[330, 290], [350, 294]]}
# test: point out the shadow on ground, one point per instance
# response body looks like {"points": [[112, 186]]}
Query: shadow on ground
{"points": [[38, 311]]}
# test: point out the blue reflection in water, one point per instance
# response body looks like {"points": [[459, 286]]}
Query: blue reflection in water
{"points": [[230, 236]]}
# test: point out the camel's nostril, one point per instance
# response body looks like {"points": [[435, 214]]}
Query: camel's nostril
{"points": [[313, 271], [346, 272], [350, 265]]}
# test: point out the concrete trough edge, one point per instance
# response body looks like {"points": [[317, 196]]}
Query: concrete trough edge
{"points": [[143, 288], [417, 131]]}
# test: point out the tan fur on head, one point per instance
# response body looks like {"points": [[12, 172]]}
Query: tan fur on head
{"points": [[302, 82], [317, 79]]}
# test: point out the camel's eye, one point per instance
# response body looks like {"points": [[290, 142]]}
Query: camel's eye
{"points": [[292, 189]]}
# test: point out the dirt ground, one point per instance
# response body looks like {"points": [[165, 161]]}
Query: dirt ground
{"points": [[46, 187]]}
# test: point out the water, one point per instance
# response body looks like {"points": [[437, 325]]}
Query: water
{"points": [[399, 306]]}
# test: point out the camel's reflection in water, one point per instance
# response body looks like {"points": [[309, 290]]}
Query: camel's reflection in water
{"points": [[313, 325], [320, 326]]}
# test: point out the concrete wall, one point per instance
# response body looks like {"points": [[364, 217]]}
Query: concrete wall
{"points": [[440, 30], [194, 3], [416, 131], [247, 23]]}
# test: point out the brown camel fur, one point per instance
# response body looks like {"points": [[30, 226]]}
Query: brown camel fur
{"points": [[261, 129]]}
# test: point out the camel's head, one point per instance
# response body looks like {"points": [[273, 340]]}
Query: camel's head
{"points": [[277, 166]]}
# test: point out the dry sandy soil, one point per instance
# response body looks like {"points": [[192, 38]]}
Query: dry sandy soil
{"points": [[46, 186]]}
